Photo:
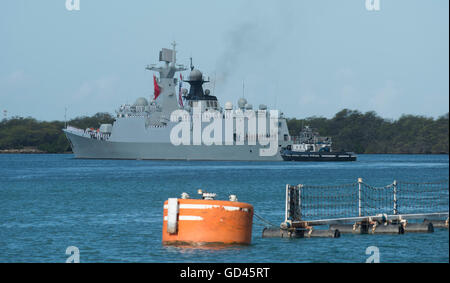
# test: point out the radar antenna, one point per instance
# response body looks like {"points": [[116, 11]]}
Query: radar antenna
{"points": [[174, 54]]}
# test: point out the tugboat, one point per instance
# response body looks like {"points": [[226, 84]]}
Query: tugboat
{"points": [[309, 146]]}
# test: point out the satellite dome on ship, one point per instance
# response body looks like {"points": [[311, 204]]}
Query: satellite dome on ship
{"points": [[195, 75], [241, 102], [141, 101]]}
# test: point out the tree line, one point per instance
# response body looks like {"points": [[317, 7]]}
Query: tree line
{"points": [[350, 130], [19, 132]]}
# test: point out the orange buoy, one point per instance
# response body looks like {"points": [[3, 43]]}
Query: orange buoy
{"points": [[206, 221]]}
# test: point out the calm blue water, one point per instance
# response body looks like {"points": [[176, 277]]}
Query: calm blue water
{"points": [[112, 210]]}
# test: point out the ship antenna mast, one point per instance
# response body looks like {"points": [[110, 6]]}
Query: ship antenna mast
{"points": [[214, 85], [65, 117], [174, 55]]}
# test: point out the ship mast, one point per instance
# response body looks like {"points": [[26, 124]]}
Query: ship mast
{"points": [[167, 99], [174, 57], [169, 57]]}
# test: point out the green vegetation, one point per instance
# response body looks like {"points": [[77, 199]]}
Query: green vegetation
{"points": [[351, 130], [354, 131], [18, 132]]}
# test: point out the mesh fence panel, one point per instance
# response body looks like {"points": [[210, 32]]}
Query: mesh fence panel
{"points": [[377, 200], [318, 202], [422, 197], [360, 199]]}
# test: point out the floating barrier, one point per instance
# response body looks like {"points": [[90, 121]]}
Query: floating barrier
{"points": [[437, 223], [206, 221], [386, 229], [300, 233], [349, 228], [359, 208], [368, 229], [419, 227]]}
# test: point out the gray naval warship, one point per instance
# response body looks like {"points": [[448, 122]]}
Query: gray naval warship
{"points": [[142, 130]]}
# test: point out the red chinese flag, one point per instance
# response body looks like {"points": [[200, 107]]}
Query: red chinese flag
{"points": [[157, 89]]}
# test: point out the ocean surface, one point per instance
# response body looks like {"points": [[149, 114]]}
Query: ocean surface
{"points": [[111, 210]]}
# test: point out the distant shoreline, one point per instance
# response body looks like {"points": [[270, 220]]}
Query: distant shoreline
{"points": [[349, 129], [29, 151]]}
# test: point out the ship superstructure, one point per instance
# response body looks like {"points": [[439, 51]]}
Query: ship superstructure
{"points": [[309, 146], [309, 140], [142, 130]]}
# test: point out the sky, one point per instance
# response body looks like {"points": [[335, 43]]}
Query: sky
{"points": [[303, 57]]}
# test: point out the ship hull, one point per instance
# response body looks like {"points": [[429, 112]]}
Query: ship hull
{"points": [[88, 148], [317, 156]]}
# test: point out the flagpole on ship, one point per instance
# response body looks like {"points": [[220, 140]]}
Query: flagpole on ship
{"points": [[214, 85], [65, 117]]}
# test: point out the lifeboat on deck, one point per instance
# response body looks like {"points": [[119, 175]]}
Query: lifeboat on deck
{"points": [[206, 221]]}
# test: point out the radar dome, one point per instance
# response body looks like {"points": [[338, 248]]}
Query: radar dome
{"points": [[228, 106], [141, 101], [195, 75], [242, 102]]}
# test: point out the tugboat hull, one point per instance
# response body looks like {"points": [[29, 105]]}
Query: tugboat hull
{"points": [[318, 156]]}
